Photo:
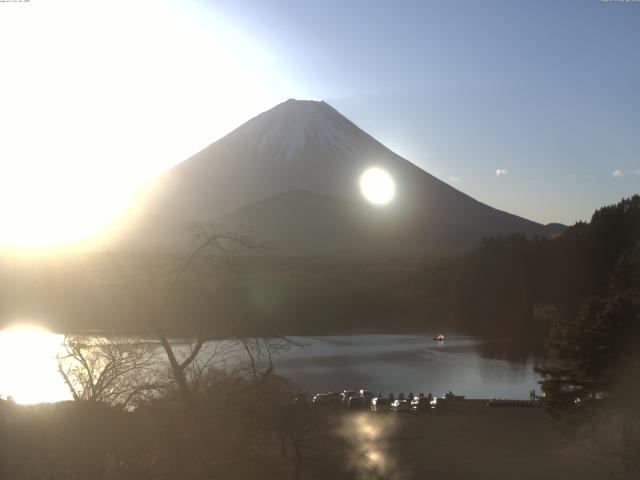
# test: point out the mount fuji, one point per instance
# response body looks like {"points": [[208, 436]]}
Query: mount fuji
{"points": [[290, 176]]}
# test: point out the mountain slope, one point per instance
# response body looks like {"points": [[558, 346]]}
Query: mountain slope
{"points": [[305, 223], [292, 173]]}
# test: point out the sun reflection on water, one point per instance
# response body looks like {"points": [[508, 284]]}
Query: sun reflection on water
{"points": [[369, 436], [28, 365]]}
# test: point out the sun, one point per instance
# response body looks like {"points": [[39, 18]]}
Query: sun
{"points": [[377, 186]]}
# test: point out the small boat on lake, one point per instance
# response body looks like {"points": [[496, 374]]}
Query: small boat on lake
{"points": [[439, 338]]}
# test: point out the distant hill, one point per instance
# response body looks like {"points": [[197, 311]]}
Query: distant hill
{"points": [[513, 287], [290, 175]]}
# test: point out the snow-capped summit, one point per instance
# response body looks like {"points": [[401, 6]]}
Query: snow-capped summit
{"points": [[291, 175], [291, 126], [281, 133]]}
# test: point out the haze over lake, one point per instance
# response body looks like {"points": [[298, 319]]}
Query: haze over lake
{"points": [[380, 362]]}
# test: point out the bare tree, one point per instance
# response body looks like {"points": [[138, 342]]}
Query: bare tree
{"points": [[180, 301], [157, 289], [213, 359], [258, 353], [113, 370], [300, 424]]}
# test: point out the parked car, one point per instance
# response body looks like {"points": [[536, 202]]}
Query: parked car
{"points": [[400, 406], [321, 399], [356, 402], [379, 404], [335, 397], [366, 395], [419, 404], [346, 395]]}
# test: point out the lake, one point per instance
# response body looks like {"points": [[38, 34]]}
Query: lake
{"points": [[381, 363], [406, 363]]}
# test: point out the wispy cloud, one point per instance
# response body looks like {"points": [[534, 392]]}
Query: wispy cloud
{"points": [[454, 179], [617, 173], [501, 171], [591, 176]]}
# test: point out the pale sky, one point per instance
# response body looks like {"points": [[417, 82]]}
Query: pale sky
{"points": [[531, 107]]}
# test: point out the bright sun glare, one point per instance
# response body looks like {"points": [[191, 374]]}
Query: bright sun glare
{"points": [[29, 367], [98, 97], [377, 186]]}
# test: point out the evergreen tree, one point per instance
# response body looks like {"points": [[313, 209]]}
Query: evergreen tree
{"points": [[590, 380], [501, 288], [574, 378]]}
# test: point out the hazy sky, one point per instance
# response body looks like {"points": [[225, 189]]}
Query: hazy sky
{"points": [[532, 107]]}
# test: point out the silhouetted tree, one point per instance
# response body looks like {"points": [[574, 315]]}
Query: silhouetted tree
{"points": [[298, 424], [593, 358], [257, 354], [114, 370], [180, 298], [509, 284]]}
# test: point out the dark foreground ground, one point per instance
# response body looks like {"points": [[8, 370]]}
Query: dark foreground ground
{"points": [[464, 440], [467, 440]]}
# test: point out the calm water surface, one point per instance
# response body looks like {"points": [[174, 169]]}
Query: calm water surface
{"points": [[381, 363], [406, 363]]}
